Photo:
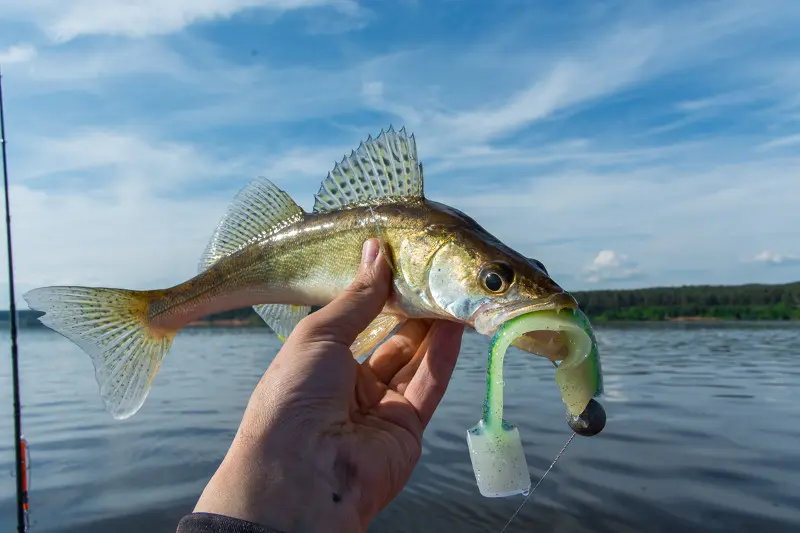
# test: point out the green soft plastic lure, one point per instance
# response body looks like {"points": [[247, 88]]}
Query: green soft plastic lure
{"points": [[498, 458]]}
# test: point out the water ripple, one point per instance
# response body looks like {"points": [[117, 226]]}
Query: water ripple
{"points": [[701, 436]]}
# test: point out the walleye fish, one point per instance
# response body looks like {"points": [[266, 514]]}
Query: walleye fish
{"points": [[269, 253]]}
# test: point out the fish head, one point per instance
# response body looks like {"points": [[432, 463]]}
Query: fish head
{"points": [[475, 279]]}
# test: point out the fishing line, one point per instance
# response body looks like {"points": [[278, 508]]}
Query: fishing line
{"points": [[569, 440], [527, 496]]}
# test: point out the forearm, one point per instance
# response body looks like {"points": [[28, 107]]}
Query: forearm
{"points": [[288, 495]]}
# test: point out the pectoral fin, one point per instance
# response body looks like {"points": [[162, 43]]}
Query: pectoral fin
{"points": [[377, 331]]}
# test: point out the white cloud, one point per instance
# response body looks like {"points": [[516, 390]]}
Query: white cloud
{"points": [[682, 221], [63, 21], [725, 100], [109, 238], [124, 231], [103, 160], [149, 109], [124, 225], [608, 62], [119, 208], [608, 66], [772, 258], [18, 53], [300, 171], [266, 94], [64, 69], [634, 48], [609, 265], [108, 214], [781, 142], [372, 90]]}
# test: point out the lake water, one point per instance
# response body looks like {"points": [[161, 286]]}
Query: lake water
{"points": [[703, 434]]}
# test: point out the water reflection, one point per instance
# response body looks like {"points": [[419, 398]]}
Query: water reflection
{"points": [[698, 437]]}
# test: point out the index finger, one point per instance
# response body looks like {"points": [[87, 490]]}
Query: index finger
{"points": [[395, 353], [427, 387]]}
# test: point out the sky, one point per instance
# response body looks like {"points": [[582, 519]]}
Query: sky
{"points": [[623, 144]]}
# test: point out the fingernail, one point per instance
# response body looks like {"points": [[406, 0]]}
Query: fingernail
{"points": [[370, 251]]}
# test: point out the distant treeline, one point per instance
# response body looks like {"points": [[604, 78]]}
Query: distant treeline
{"points": [[720, 302]]}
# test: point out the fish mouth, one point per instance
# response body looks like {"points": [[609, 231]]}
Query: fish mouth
{"points": [[559, 331], [553, 345]]}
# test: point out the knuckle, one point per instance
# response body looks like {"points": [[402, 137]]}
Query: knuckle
{"points": [[314, 328], [303, 327], [361, 285]]}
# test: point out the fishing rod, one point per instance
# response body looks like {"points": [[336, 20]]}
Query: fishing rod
{"points": [[20, 445]]}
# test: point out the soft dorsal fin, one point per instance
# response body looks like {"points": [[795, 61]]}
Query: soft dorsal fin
{"points": [[258, 210], [384, 169]]}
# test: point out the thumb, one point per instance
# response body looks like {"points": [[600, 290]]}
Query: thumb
{"points": [[351, 312]]}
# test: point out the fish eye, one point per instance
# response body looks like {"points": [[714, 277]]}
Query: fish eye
{"points": [[493, 282], [496, 277]]}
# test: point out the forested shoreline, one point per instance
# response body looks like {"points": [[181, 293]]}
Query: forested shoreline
{"points": [[712, 302], [684, 303]]}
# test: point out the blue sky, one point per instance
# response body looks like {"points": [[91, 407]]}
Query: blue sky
{"points": [[624, 144]]}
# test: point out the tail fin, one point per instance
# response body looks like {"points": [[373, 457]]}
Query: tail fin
{"points": [[112, 326]]}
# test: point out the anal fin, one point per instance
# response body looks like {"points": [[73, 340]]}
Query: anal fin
{"points": [[378, 330], [282, 318]]}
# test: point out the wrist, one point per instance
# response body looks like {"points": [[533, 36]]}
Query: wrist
{"points": [[286, 491]]}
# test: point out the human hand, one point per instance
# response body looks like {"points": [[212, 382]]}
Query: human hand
{"points": [[325, 442]]}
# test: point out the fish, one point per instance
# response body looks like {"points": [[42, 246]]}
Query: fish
{"points": [[270, 254]]}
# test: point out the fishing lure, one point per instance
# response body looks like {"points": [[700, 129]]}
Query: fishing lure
{"points": [[495, 445]]}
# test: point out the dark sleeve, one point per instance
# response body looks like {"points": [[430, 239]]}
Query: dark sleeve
{"points": [[216, 523]]}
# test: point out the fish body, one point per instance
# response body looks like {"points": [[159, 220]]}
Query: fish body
{"points": [[269, 253], [311, 261]]}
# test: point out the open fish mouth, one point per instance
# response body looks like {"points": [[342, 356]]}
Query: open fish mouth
{"points": [[545, 343], [553, 345], [579, 375]]}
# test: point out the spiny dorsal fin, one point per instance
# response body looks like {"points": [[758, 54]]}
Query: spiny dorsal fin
{"points": [[258, 210], [384, 169]]}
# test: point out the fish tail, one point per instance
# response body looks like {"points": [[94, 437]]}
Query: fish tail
{"points": [[112, 326]]}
